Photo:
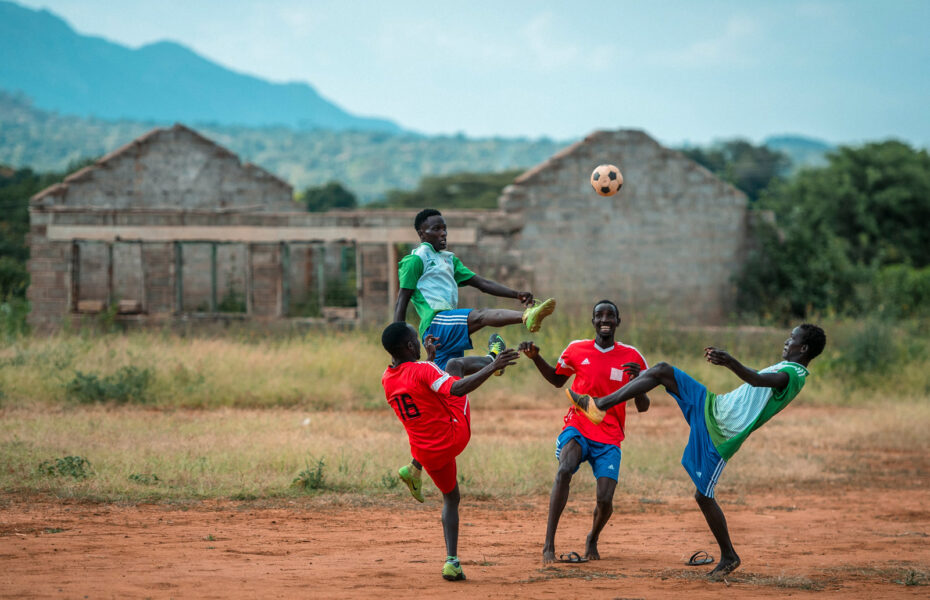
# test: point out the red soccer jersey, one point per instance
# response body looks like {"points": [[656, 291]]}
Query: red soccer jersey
{"points": [[598, 372], [420, 393]]}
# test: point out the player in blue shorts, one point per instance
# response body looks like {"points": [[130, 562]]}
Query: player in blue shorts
{"points": [[430, 277], [721, 423]]}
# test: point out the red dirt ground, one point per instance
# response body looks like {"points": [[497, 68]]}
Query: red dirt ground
{"points": [[843, 544]]}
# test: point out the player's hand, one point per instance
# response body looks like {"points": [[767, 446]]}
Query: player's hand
{"points": [[525, 298], [505, 359], [431, 345], [642, 403], [530, 349], [632, 369], [716, 356]]}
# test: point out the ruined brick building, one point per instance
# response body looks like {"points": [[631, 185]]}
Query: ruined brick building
{"points": [[174, 227]]}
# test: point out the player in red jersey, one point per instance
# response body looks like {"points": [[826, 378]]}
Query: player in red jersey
{"points": [[598, 364], [433, 407]]}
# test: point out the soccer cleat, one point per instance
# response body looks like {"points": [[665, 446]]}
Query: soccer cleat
{"points": [[414, 484], [452, 570], [585, 404], [534, 315], [496, 345]]}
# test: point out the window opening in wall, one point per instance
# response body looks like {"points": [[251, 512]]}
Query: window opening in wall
{"points": [[320, 280], [212, 277], [128, 290], [91, 276]]}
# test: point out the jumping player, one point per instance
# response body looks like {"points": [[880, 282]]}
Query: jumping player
{"points": [[600, 366], [720, 424], [430, 277], [433, 407]]}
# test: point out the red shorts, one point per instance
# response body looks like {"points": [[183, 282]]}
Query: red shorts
{"points": [[440, 466]]}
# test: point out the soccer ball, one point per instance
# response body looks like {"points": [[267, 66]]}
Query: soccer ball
{"points": [[606, 180]]}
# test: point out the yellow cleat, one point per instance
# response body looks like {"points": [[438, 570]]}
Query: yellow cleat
{"points": [[585, 405], [414, 483], [534, 315]]}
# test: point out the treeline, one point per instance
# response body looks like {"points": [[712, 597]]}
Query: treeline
{"points": [[367, 164]]}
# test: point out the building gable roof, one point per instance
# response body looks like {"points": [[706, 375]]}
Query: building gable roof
{"points": [[56, 193]]}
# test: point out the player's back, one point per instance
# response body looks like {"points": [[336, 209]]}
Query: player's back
{"points": [[420, 393]]}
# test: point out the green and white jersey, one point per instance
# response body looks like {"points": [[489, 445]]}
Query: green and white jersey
{"points": [[733, 416], [435, 278]]}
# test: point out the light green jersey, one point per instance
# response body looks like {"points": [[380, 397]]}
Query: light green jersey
{"points": [[435, 278], [733, 416]]}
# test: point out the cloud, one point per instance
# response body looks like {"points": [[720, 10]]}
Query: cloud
{"points": [[731, 47]]}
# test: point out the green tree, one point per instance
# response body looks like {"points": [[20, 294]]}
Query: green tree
{"points": [[840, 229], [459, 190], [329, 196], [748, 167], [17, 186]]}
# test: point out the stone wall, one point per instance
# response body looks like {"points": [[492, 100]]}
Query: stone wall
{"points": [[668, 244], [148, 222]]}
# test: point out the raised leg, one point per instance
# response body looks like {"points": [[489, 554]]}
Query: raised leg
{"points": [[602, 511], [492, 317], [718, 526], [569, 459], [661, 374]]}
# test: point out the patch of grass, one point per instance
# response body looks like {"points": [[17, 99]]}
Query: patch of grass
{"points": [[144, 478], [548, 573], [129, 384], [52, 530], [390, 480], [311, 478], [76, 467]]}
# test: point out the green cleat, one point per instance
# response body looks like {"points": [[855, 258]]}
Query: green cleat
{"points": [[414, 483], [533, 316], [452, 570], [496, 345], [585, 405]]}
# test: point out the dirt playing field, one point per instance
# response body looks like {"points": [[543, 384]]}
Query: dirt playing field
{"points": [[835, 540]]}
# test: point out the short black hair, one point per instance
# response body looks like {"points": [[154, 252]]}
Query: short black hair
{"points": [[598, 303], [395, 336], [424, 215], [814, 338]]}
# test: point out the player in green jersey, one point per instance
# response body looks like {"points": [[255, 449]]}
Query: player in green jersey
{"points": [[721, 423]]}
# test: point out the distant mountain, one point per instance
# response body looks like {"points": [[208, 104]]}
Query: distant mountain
{"points": [[369, 163], [803, 151], [63, 71]]}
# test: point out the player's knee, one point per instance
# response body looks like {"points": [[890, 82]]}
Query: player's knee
{"points": [[564, 473], [701, 499], [662, 369], [477, 317]]}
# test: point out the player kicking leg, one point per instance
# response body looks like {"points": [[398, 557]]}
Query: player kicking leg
{"points": [[433, 407]]}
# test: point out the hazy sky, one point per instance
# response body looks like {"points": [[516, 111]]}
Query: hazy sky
{"points": [[685, 71]]}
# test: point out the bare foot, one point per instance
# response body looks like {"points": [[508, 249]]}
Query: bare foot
{"points": [[548, 557], [726, 566], [590, 551]]}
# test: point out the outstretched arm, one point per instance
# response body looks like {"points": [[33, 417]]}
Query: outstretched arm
{"points": [[403, 299], [468, 384], [496, 289], [715, 356], [546, 370]]}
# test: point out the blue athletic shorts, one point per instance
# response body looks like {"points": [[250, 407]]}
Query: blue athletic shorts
{"points": [[700, 459], [450, 328], [603, 458]]}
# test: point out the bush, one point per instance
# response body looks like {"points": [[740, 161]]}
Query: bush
{"points": [[13, 318], [129, 384], [311, 478], [77, 467]]}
